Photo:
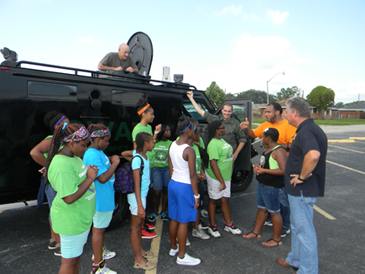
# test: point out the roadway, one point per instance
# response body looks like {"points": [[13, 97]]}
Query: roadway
{"points": [[339, 220]]}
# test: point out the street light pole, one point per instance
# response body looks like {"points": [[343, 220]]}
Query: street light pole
{"points": [[267, 85]]}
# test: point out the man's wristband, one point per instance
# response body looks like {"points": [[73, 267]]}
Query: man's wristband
{"points": [[300, 179], [197, 197]]}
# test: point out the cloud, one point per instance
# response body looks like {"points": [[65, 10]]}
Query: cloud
{"points": [[277, 17], [264, 52], [252, 16], [231, 9], [89, 40]]}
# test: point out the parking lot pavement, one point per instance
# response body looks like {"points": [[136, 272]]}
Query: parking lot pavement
{"points": [[25, 233]]}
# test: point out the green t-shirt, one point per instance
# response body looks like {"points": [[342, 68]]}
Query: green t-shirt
{"points": [[198, 160], [160, 153], [65, 175], [221, 151], [141, 128]]}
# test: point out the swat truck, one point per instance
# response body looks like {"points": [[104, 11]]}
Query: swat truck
{"points": [[28, 90]]}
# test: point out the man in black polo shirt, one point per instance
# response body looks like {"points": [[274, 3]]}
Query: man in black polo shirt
{"points": [[304, 181]]}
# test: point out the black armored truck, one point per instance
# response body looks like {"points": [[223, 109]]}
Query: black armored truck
{"points": [[28, 90]]}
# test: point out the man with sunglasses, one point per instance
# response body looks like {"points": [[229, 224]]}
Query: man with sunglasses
{"points": [[235, 136]]}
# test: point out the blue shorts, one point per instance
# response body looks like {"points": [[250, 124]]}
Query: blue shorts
{"points": [[161, 177], [181, 202], [268, 197], [133, 206], [50, 193], [72, 246], [102, 219]]}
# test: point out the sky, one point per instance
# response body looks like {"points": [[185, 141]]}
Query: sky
{"points": [[240, 45]]}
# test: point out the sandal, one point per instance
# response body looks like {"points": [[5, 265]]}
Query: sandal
{"points": [[148, 255], [272, 239], [258, 236], [148, 265]]}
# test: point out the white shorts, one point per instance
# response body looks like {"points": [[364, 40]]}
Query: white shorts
{"points": [[213, 188]]}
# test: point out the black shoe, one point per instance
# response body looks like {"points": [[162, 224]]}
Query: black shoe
{"points": [[284, 232]]}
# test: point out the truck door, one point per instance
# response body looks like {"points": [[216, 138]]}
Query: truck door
{"points": [[243, 171]]}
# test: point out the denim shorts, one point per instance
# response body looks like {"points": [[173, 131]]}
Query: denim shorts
{"points": [[133, 206], [51, 194], [268, 197], [160, 177], [72, 246], [102, 219]]}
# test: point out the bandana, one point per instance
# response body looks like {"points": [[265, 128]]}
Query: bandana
{"points": [[79, 135], [100, 133], [143, 109]]}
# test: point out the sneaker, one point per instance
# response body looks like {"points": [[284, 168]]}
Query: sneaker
{"points": [[148, 234], [101, 269], [284, 232], [204, 213], [152, 217], [212, 230], [149, 226], [173, 252], [57, 250], [163, 217], [231, 228], [107, 254], [188, 260], [268, 223], [52, 244], [203, 225], [187, 241], [200, 233]]}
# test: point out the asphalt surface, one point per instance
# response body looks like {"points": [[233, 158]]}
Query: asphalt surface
{"points": [[25, 232]]}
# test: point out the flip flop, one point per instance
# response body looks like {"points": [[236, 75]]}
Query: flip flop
{"points": [[148, 265], [148, 255], [272, 239], [258, 236]]}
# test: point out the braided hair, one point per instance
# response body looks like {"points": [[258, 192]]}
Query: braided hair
{"points": [[59, 134], [142, 138], [52, 119]]}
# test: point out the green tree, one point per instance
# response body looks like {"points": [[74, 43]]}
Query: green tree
{"points": [[257, 96], [322, 98], [288, 93], [340, 105], [230, 96], [216, 94]]}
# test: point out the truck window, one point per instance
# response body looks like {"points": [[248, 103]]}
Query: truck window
{"points": [[191, 110], [125, 97], [49, 90]]}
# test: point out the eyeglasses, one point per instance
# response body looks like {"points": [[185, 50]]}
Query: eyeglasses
{"points": [[222, 127], [194, 128]]}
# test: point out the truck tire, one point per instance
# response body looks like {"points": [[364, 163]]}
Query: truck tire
{"points": [[121, 207], [241, 179]]}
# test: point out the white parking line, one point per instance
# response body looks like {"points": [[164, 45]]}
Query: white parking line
{"points": [[324, 213], [347, 149], [349, 168]]}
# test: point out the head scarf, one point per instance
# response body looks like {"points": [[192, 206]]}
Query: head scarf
{"points": [[79, 135], [100, 133]]}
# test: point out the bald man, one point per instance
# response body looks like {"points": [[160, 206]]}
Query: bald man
{"points": [[118, 60]]}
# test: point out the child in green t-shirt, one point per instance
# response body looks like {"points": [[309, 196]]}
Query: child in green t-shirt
{"points": [[73, 207], [219, 173], [160, 172]]}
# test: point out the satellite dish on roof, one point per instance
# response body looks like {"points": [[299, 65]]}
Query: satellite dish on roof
{"points": [[141, 51]]}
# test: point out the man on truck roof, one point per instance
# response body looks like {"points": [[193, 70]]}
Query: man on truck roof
{"points": [[235, 136], [118, 60]]}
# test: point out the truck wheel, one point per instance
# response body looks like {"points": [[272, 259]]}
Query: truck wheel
{"points": [[121, 207], [241, 179]]}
